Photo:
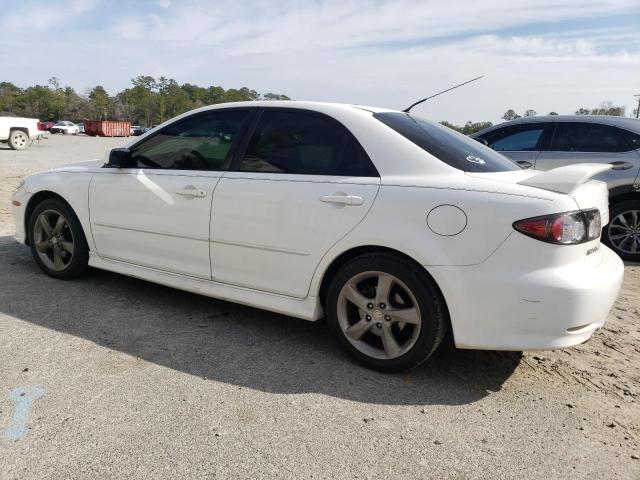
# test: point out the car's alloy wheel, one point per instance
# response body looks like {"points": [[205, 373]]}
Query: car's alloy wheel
{"points": [[18, 140], [379, 315], [386, 311], [57, 241], [53, 240], [623, 231]]}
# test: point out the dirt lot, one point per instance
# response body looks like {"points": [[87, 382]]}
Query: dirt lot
{"points": [[126, 379]]}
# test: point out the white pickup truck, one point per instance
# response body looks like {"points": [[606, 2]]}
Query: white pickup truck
{"points": [[18, 132]]}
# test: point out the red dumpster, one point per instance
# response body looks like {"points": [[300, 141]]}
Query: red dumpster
{"points": [[107, 128]]}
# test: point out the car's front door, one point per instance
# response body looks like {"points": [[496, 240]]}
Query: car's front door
{"points": [[300, 183], [520, 142], [157, 215]]}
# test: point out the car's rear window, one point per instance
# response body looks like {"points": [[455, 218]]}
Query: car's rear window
{"points": [[453, 148]]}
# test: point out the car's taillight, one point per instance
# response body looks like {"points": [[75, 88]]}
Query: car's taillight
{"points": [[567, 228]]}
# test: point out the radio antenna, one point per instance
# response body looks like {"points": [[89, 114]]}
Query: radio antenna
{"points": [[407, 110]]}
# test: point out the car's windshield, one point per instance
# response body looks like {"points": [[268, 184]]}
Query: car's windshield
{"points": [[453, 148]]}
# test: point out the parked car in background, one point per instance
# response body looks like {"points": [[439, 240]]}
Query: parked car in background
{"points": [[137, 130], [548, 142], [80, 127], [19, 132], [65, 127], [46, 126], [397, 229]]}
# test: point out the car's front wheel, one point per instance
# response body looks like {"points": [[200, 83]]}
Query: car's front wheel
{"points": [[386, 311], [622, 233], [57, 241]]}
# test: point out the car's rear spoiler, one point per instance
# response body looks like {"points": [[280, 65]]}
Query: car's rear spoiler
{"points": [[566, 179]]}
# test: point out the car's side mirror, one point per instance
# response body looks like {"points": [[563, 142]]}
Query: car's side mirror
{"points": [[120, 158]]}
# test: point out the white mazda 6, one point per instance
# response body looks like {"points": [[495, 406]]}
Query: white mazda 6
{"points": [[396, 229]]}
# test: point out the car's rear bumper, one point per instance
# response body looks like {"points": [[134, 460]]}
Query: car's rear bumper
{"points": [[497, 305]]}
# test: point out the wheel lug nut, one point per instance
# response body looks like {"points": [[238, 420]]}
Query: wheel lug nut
{"points": [[379, 325], [369, 306], [368, 318], [387, 318], [382, 305]]}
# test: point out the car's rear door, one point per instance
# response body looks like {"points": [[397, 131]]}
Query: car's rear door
{"points": [[157, 215], [591, 142], [299, 184]]}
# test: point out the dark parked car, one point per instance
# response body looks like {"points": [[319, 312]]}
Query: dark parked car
{"points": [[548, 142]]}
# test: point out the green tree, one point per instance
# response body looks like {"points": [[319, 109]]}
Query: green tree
{"points": [[530, 113], [11, 98], [146, 102], [76, 107], [100, 103], [457, 128], [469, 127], [274, 96], [144, 87], [510, 115]]}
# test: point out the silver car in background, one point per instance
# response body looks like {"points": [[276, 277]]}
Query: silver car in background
{"points": [[547, 142]]}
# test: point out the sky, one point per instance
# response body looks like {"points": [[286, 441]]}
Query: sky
{"points": [[545, 55]]}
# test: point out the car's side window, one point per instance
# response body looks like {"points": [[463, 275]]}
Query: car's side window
{"points": [[517, 138], [587, 137], [199, 142], [632, 138], [303, 143]]}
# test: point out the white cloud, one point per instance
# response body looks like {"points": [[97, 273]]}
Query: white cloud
{"points": [[42, 16]]}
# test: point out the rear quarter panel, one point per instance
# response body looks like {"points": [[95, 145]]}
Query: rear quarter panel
{"points": [[398, 220]]}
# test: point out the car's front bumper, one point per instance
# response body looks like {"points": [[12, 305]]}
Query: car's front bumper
{"points": [[19, 201], [506, 304]]}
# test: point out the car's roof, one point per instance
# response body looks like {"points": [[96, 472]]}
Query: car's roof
{"points": [[622, 122], [301, 104]]}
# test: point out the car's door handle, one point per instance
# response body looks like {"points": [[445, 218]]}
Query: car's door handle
{"points": [[342, 199], [620, 165], [191, 191], [524, 164]]}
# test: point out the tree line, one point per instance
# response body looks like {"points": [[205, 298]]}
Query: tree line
{"points": [[147, 102], [151, 101], [605, 108]]}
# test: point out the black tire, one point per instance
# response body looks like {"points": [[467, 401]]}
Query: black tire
{"points": [[434, 314], [18, 140], [624, 251], [78, 265]]}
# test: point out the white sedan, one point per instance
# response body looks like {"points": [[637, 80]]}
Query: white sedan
{"points": [[396, 229], [65, 127]]}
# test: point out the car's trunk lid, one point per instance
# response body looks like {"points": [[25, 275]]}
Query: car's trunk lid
{"points": [[574, 180]]}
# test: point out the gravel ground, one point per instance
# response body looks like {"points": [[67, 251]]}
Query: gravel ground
{"points": [[128, 379]]}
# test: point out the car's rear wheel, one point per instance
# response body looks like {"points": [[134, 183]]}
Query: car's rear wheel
{"points": [[18, 140], [622, 233], [57, 241], [386, 311]]}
